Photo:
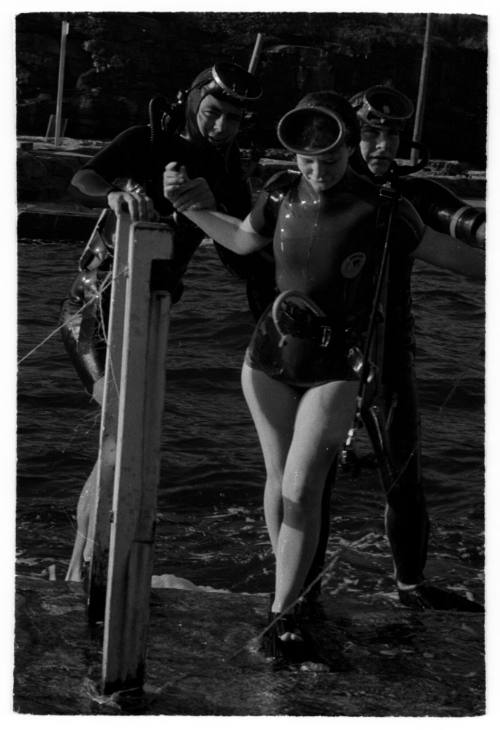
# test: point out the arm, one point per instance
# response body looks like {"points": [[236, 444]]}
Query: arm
{"points": [[446, 252], [444, 211], [132, 198], [90, 189], [90, 183], [194, 199], [232, 233]]}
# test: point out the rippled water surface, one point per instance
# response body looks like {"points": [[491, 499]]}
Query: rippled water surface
{"points": [[211, 528]]}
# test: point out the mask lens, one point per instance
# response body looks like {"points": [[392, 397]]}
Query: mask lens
{"points": [[236, 82], [311, 131], [385, 102], [382, 106]]}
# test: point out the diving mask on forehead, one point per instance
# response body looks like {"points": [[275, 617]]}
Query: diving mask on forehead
{"points": [[383, 107], [311, 130], [234, 82], [226, 81]]}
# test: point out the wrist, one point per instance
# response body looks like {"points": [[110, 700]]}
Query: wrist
{"points": [[111, 189]]}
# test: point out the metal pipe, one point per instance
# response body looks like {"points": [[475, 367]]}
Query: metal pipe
{"points": [[422, 89], [60, 81], [256, 53]]}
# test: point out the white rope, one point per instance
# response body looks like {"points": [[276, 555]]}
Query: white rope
{"points": [[106, 284]]}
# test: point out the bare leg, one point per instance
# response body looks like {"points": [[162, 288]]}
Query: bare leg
{"points": [[83, 511], [82, 550], [323, 418], [299, 437], [273, 406]]}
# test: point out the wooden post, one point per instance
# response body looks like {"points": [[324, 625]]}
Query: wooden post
{"points": [[422, 90], [60, 80], [137, 468], [98, 533], [256, 53], [49, 134]]}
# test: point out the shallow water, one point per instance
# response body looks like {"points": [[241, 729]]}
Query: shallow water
{"points": [[211, 528]]}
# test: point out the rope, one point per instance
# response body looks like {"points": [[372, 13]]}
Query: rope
{"points": [[106, 284]]}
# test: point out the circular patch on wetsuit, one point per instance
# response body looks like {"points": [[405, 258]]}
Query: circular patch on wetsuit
{"points": [[352, 265]]}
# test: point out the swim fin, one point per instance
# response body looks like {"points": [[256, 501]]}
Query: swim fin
{"points": [[425, 596], [287, 642]]}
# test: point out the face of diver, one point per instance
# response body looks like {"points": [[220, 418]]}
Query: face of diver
{"points": [[378, 148], [324, 171], [218, 121]]}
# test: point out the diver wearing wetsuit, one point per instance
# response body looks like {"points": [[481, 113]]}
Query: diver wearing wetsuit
{"points": [[127, 174], [407, 523], [406, 518], [383, 113], [337, 269], [133, 163], [329, 237]]}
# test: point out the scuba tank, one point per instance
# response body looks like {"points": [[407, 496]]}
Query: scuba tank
{"points": [[166, 118], [444, 211]]}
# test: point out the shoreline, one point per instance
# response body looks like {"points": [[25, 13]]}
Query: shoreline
{"points": [[47, 210]]}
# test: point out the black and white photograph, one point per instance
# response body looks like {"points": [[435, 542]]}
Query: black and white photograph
{"points": [[250, 432]]}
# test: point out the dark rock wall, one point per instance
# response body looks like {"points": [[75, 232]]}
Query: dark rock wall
{"points": [[115, 62]]}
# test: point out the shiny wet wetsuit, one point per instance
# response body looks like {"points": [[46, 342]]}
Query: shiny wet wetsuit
{"points": [[132, 156], [327, 248], [407, 523]]}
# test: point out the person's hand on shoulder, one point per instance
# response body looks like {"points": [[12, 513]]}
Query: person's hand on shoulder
{"points": [[184, 193]]}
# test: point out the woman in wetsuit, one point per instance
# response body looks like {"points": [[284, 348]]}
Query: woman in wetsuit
{"points": [[299, 377], [127, 175], [383, 114]]}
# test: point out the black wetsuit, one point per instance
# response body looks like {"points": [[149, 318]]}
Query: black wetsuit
{"points": [[407, 522], [326, 248], [132, 156], [318, 250]]}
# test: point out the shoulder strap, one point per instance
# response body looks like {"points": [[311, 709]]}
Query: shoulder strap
{"points": [[388, 199]]}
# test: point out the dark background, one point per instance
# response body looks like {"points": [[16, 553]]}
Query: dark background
{"points": [[115, 62]]}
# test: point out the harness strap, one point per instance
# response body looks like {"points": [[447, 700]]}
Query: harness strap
{"points": [[374, 343], [372, 363]]}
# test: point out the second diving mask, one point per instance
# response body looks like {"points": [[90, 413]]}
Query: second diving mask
{"points": [[382, 107]]}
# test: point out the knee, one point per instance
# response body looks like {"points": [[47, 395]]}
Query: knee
{"points": [[301, 497], [273, 486]]}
